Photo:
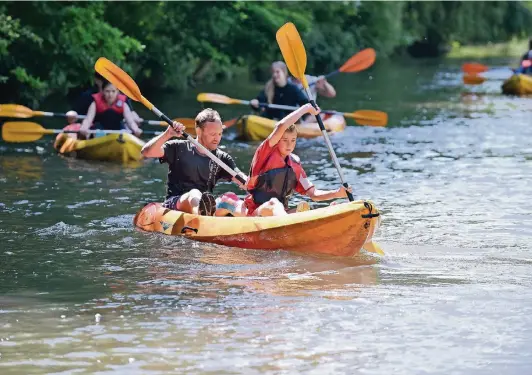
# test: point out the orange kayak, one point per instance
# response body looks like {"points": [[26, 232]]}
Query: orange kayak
{"points": [[341, 230]]}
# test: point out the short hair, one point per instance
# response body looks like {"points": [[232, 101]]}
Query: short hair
{"points": [[291, 129], [207, 115]]}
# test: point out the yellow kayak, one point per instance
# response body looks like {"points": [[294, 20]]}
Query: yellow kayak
{"points": [[121, 147], [518, 84], [341, 230], [257, 128]]}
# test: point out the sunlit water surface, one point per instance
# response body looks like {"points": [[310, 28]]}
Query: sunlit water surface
{"points": [[82, 291]]}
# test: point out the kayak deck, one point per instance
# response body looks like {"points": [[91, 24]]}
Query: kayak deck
{"points": [[340, 230], [518, 84], [257, 128], [122, 147]]}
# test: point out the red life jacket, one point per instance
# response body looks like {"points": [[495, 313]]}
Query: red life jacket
{"points": [[109, 116], [271, 176], [102, 106]]}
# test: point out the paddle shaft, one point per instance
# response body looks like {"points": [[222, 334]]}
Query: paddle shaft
{"points": [[329, 146], [55, 114], [290, 108], [205, 150]]}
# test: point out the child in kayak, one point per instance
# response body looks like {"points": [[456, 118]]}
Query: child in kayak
{"points": [[276, 172]]}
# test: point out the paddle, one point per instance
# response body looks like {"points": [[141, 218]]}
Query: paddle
{"points": [[476, 68], [473, 79], [22, 131], [19, 111], [125, 83], [356, 63], [294, 55], [363, 117]]}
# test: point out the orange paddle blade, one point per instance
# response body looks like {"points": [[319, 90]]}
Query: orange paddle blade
{"points": [[360, 61], [472, 79], [217, 98], [230, 123], [121, 80], [15, 110], [293, 51], [368, 117], [23, 131], [474, 68]]}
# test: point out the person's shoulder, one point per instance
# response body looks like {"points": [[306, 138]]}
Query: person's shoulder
{"points": [[296, 159], [177, 143], [223, 154]]}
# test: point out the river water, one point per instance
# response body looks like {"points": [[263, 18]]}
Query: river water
{"points": [[82, 291]]}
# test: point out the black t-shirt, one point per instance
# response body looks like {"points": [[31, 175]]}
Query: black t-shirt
{"points": [[288, 95], [85, 100], [188, 169]]}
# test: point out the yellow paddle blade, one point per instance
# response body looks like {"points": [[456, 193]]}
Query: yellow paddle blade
{"points": [[121, 80], [23, 131], [373, 247], [472, 79], [360, 61], [217, 98], [15, 110], [368, 117], [293, 51], [474, 68]]}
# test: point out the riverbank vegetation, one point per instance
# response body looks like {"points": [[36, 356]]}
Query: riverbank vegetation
{"points": [[50, 47]]}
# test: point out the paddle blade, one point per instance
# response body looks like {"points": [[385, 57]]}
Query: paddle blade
{"points": [[293, 51], [216, 98], [369, 118], [120, 79], [230, 123], [360, 61], [15, 110], [23, 131], [472, 79], [474, 68], [373, 247]]}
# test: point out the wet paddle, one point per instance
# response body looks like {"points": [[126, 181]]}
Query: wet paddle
{"points": [[22, 131], [295, 56], [127, 85], [363, 117]]}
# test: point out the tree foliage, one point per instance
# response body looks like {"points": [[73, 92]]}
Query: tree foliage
{"points": [[51, 47]]}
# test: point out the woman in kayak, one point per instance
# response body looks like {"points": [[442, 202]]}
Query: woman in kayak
{"points": [[526, 61], [108, 110], [278, 90], [275, 173]]}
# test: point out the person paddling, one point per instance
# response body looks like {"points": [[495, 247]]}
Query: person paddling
{"points": [[107, 111], [278, 90], [85, 99], [192, 176], [276, 172], [526, 61]]}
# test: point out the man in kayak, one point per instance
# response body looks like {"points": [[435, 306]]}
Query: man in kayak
{"points": [[84, 101], [276, 172], [278, 90], [191, 174], [107, 111]]}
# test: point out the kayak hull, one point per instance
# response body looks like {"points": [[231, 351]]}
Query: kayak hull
{"points": [[257, 128], [518, 84], [340, 230], [122, 147]]}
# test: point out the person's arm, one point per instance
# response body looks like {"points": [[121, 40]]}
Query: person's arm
{"points": [[261, 98], [130, 121], [324, 195], [227, 159], [154, 147], [325, 88], [87, 121], [291, 119]]}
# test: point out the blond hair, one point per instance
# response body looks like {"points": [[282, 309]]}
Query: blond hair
{"points": [[269, 88], [291, 129], [207, 115]]}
